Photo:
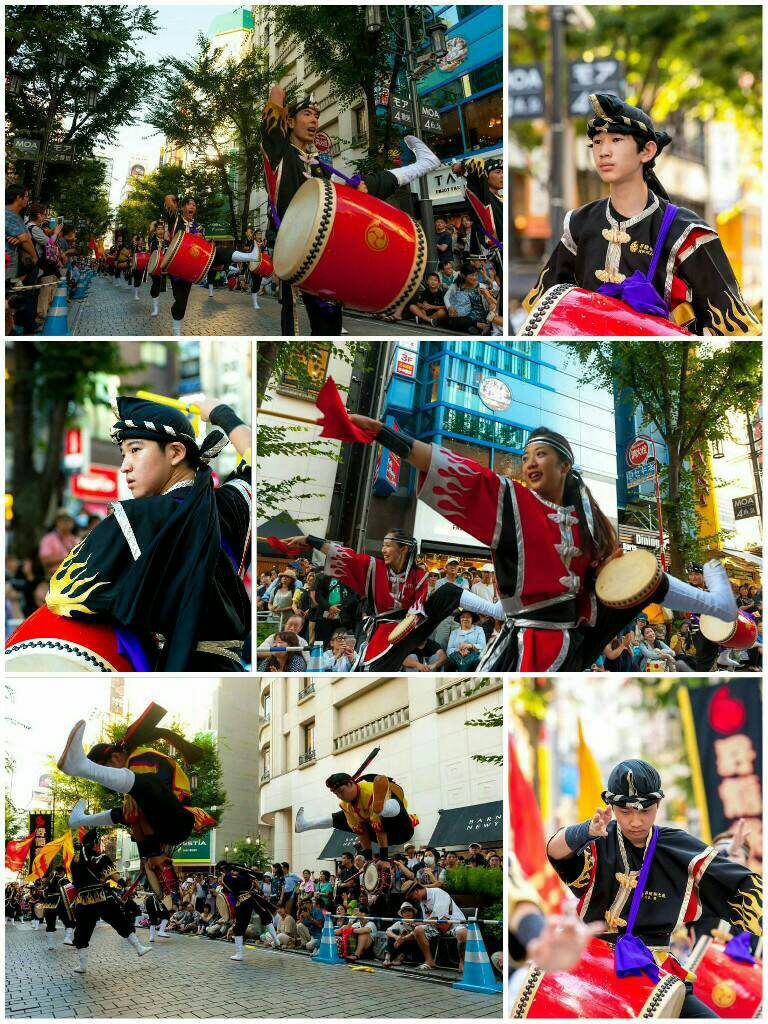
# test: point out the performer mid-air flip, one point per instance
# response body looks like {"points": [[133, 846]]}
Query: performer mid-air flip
{"points": [[373, 807], [157, 792]]}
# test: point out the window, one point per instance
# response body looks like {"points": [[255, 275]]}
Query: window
{"points": [[483, 121], [266, 705], [266, 762], [361, 126], [472, 451], [458, 421], [451, 141], [508, 464], [308, 736], [154, 352], [485, 77], [309, 375]]}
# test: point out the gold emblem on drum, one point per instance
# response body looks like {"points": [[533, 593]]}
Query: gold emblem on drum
{"points": [[376, 237], [195, 251], [724, 994]]}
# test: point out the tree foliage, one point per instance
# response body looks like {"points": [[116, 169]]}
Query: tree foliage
{"points": [[209, 793], [686, 389], [145, 201], [15, 820], [82, 197], [102, 47], [47, 389], [249, 851], [212, 107]]}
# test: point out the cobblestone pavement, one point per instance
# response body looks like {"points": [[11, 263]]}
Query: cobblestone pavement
{"points": [[187, 976], [110, 310]]}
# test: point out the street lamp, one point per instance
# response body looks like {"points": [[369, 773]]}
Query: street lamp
{"points": [[92, 97], [373, 22], [437, 40], [14, 85], [717, 449], [60, 57]]}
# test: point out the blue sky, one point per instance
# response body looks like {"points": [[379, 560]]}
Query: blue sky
{"points": [[178, 28]]}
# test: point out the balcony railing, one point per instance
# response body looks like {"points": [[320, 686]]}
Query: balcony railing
{"points": [[463, 689], [308, 691], [265, 776], [266, 719], [363, 733], [306, 757]]}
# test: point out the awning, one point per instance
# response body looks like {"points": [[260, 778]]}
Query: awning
{"points": [[344, 842], [744, 556], [478, 823], [279, 526]]}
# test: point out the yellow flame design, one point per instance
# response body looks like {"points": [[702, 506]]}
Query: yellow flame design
{"points": [[739, 319], [747, 907], [535, 293], [583, 879], [274, 116], [67, 594]]}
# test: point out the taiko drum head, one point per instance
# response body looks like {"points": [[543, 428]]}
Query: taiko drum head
{"points": [[628, 580]]}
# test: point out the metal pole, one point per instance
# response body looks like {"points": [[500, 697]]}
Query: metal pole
{"points": [[755, 466], [425, 203], [557, 124], [52, 107], [385, 352], [662, 556]]}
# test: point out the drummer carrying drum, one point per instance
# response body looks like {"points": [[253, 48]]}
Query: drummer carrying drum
{"points": [[240, 900], [287, 139], [373, 807], [157, 792], [645, 881], [566, 588], [636, 246]]}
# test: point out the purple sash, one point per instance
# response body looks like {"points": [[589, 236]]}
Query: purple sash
{"points": [[739, 949], [633, 957], [638, 290]]}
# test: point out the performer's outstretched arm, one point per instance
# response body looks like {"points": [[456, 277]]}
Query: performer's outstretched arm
{"points": [[212, 410]]}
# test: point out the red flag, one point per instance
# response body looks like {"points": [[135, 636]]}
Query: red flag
{"points": [[335, 420], [17, 851], [283, 548], [528, 835]]}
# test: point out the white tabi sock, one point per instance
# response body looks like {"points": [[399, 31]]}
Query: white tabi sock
{"points": [[69, 934], [51, 939], [210, 290], [177, 325], [238, 948], [304, 824], [133, 938], [136, 293], [151, 933], [74, 763], [82, 956], [717, 601], [425, 161], [272, 932], [243, 257], [474, 603], [255, 300], [163, 926], [78, 817], [155, 307]]}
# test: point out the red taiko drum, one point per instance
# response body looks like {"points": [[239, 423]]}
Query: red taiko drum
{"points": [[571, 312], [155, 261], [189, 257], [739, 635], [140, 260], [263, 266], [591, 989], [46, 642], [730, 988], [346, 246]]}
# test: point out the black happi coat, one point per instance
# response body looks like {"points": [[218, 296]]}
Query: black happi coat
{"points": [[169, 565], [476, 178], [693, 275], [687, 879], [89, 877], [287, 168]]}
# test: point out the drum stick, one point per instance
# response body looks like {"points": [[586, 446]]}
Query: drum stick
{"points": [[290, 416], [148, 396]]}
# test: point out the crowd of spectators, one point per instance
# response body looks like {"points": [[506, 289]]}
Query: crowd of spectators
{"points": [[27, 579], [418, 901], [307, 607], [39, 250]]}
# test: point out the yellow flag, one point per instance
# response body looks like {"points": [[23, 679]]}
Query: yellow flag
{"points": [[590, 780]]}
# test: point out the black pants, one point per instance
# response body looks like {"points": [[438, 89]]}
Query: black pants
{"points": [[255, 282], [158, 285], [438, 606], [693, 1008], [156, 911], [62, 915], [169, 820], [109, 910], [181, 290], [325, 318], [137, 278], [399, 829]]}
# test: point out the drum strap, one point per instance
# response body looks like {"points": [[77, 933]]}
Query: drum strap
{"points": [[633, 958], [295, 295]]}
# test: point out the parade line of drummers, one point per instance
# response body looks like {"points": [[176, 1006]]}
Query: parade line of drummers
{"points": [[337, 244]]}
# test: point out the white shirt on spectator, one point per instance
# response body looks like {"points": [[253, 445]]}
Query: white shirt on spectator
{"points": [[440, 904]]}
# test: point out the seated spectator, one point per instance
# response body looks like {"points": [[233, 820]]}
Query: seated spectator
{"points": [[465, 305], [365, 931], [428, 657], [183, 920], [204, 920], [428, 872], [438, 908], [683, 645], [619, 654], [294, 624], [342, 653], [653, 649], [284, 661], [286, 931], [309, 926], [465, 644], [429, 305]]}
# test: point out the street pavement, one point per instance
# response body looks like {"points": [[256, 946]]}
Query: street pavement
{"points": [[110, 310], [187, 976]]}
